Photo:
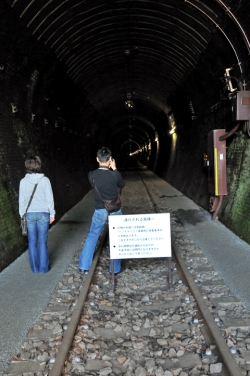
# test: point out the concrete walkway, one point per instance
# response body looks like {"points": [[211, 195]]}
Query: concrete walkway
{"points": [[23, 294]]}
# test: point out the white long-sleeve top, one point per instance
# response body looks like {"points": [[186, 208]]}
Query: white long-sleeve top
{"points": [[43, 200]]}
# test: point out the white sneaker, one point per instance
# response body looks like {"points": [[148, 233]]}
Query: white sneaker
{"points": [[82, 271]]}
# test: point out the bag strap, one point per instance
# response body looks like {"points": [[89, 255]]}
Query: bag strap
{"points": [[94, 185], [31, 197]]}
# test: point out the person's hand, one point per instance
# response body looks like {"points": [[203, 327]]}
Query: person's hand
{"points": [[112, 164], [51, 219]]}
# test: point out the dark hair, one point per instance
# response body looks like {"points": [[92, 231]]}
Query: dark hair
{"points": [[33, 164], [104, 154]]}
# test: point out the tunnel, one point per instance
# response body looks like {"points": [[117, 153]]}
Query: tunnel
{"points": [[148, 79]]}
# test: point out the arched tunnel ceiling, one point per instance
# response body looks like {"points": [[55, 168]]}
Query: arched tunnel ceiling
{"points": [[124, 49]]}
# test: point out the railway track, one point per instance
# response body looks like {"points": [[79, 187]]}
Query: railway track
{"points": [[223, 350], [143, 327]]}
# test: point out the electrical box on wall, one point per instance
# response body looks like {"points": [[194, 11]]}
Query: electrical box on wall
{"points": [[217, 173], [241, 106]]}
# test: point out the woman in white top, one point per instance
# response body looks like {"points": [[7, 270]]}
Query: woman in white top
{"points": [[39, 215]]}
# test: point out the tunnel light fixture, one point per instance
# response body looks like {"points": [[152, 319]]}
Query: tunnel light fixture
{"points": [[228, 78], [172, 130], [156, 137], [136, 152], [129, 104], [13, 108]]}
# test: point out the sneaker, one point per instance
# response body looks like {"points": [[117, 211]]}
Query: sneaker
{"points": [[82, 271]]}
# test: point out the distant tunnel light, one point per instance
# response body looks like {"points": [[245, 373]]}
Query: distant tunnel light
{"points": [[129, 104], [172, 131], [136, 152]]}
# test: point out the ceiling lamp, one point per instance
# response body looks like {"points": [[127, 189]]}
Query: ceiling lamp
{"points": [[129, 104]]}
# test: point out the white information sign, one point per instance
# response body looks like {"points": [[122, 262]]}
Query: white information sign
{"points": [[139, 236]]}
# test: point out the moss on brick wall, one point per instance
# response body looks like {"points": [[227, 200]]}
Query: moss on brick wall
{"points": [[12, 243], [235, 211], [43, 113]]}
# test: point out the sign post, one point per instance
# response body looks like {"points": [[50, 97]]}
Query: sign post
{"points": [[140, 236]]}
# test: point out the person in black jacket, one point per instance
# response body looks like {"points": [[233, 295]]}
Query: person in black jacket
{"points": [[108, 180]]}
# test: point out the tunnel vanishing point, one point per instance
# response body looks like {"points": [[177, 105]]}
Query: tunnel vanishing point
{"points": [[152, 80]]}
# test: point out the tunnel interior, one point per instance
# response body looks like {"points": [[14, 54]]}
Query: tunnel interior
{"points": [[149, 79]]}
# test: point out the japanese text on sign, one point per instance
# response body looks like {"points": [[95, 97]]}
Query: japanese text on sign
{"points": [[139, 236]]}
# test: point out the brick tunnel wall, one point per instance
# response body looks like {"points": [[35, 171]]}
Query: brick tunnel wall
{"points": [[42, 113], [184, 150], [189, 176]]}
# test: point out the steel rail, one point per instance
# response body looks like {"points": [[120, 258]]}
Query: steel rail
{"points": [[229, 361], [68, 337]]}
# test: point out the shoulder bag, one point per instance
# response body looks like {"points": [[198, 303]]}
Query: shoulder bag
{"points": [[110, 205], [23, 219]]}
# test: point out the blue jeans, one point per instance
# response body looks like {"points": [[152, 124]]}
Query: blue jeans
{"points": [[38, 228], [99, 219]]}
